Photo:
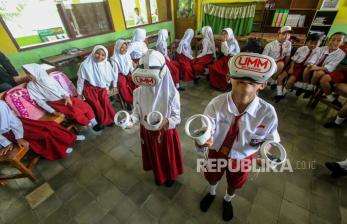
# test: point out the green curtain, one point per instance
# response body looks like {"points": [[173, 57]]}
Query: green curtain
{"points": [[239, 18]]}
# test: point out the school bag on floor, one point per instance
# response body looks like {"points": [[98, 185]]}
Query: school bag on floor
{"points": [[64, 82], [18, 99]]}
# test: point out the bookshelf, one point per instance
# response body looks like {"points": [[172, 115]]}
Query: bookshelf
{"points": [[258, 17], [323, 21]]}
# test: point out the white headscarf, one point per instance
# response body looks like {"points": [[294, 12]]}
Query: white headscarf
{"points": [[184, 45], [207, 33], [233, 45], [44, 87], [137, 47], [161, 46], [9, 121], [160, 97], [99, 74], [122, 61]]}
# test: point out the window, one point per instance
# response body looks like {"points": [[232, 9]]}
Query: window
{"points": [[142, 12], [186, 8], [36, 22]]}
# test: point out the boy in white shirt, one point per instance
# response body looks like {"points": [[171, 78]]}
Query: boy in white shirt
{"points": [[240, 122]]}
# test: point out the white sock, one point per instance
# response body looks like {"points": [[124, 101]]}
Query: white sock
{"points": [[213, 189], [343, 164], [330, 97], [339, 120], [298, 85], [69, 150], [228, 197], [93, 122], [80, 137], [310, 87], [279, 90], [206, 71], [285, 90]]}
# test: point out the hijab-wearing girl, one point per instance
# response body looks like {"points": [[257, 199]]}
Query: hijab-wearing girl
{"points": [[185, 56], [138, 46], [219, 69], [49, 95], [123, 66], [97, 80], [207, 53]]}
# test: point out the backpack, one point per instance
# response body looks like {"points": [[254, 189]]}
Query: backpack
{"points": [[64, 82], [18, 99]]}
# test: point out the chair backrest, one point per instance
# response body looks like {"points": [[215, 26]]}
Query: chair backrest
{"points": [[18, 99], [64, 82]]}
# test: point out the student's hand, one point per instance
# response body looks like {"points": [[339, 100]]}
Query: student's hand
{"points": [[5, 150], [208, 143], [56, 113], [68, 101], [165, 124], [23, 143]]}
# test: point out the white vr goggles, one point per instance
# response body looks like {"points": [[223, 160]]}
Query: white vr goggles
{"points": [[149, 75], [254, 66]]}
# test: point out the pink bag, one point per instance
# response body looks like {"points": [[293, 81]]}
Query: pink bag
{"points": [[18, 99], [64, 82]]}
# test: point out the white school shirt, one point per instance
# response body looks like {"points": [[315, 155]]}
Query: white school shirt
{"points": [[331, 61], [259, 122], [9, 122], [301, 54], [206, 48], [273, 49], [230, 49]]}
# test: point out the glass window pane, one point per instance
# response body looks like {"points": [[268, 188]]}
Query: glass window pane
{"points": [[33, 22], [160, 10], [135, 12], [87, 17], [186, 8]]}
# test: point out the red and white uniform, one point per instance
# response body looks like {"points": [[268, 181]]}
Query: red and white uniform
{"points": [[277, 50], [326, 59], [300, 58], [185, 56]]}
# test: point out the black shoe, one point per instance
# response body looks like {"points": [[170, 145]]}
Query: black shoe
{"points": [[298, 92], [337, 103], [111, 125], [273, 87], [331, 125], [206, 202], [196, 81], [169, 183], [98, 127], [278, 98], [181, 89], [228, 213], [307, 94], [129, 108], [157, 183], [336, 169]]}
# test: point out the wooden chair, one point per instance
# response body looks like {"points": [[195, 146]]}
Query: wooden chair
{"points": [[14, 159]]}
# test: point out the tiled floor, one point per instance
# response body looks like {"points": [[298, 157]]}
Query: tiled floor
{"points": [[103, 181]]}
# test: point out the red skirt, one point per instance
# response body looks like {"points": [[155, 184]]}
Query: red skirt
{"points": [[339, 77], [98, 99], [46, 138], [218, 73], [297, 71], [174, 68], [199, 64], [161, 152], [80, 111], [126, 87], [185, 67]]}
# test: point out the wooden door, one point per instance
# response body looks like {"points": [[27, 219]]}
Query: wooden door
{"points": [[185, 16]]}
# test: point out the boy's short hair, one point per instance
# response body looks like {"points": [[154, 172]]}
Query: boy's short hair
{"points": [[314, 37], [343, 34]]}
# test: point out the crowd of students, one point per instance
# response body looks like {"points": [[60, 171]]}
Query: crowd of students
{"points": [[99, 77]]}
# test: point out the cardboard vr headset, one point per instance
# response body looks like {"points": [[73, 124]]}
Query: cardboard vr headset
{"points": [[253, 66]]}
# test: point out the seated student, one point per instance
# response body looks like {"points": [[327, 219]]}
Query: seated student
{"points": [[49, 95], [297, 66], [218, 71], [138, 46], [173, 66], [46, 138], [341, 89], [279, 50], [123, 66], [185, 56], [328, 80], [8, 75], [97, 80], [207, 53], [323, 62]]}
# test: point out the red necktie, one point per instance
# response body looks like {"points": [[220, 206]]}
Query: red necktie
{"points": [[322, 60], [281, 50], [231, 136], [307, 56]]}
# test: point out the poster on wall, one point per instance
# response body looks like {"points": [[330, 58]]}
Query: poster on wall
{"points": [[330, 5]]}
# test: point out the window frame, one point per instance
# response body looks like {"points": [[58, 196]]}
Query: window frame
{"points": [[149, 15], [69, 29]]}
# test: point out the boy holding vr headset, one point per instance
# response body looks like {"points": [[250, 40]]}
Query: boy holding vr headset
{"points": [[241, 121]]}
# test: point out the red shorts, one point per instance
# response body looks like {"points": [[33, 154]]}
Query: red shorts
{"points": [[339, 77], [235, 179], [297, 71]]}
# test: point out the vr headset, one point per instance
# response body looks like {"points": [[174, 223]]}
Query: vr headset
{"points": [[253, 66], [145, 75]]}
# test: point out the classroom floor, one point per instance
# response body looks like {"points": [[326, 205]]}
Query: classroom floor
{"points": [[103, 181]]}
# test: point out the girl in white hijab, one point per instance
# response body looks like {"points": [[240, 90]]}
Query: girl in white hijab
{"points": [[123, 66], [161, 149], [97, 80], [173, 66], [49, 95], [207, 53], [219, 69], [185, 56], [137, 46]]}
